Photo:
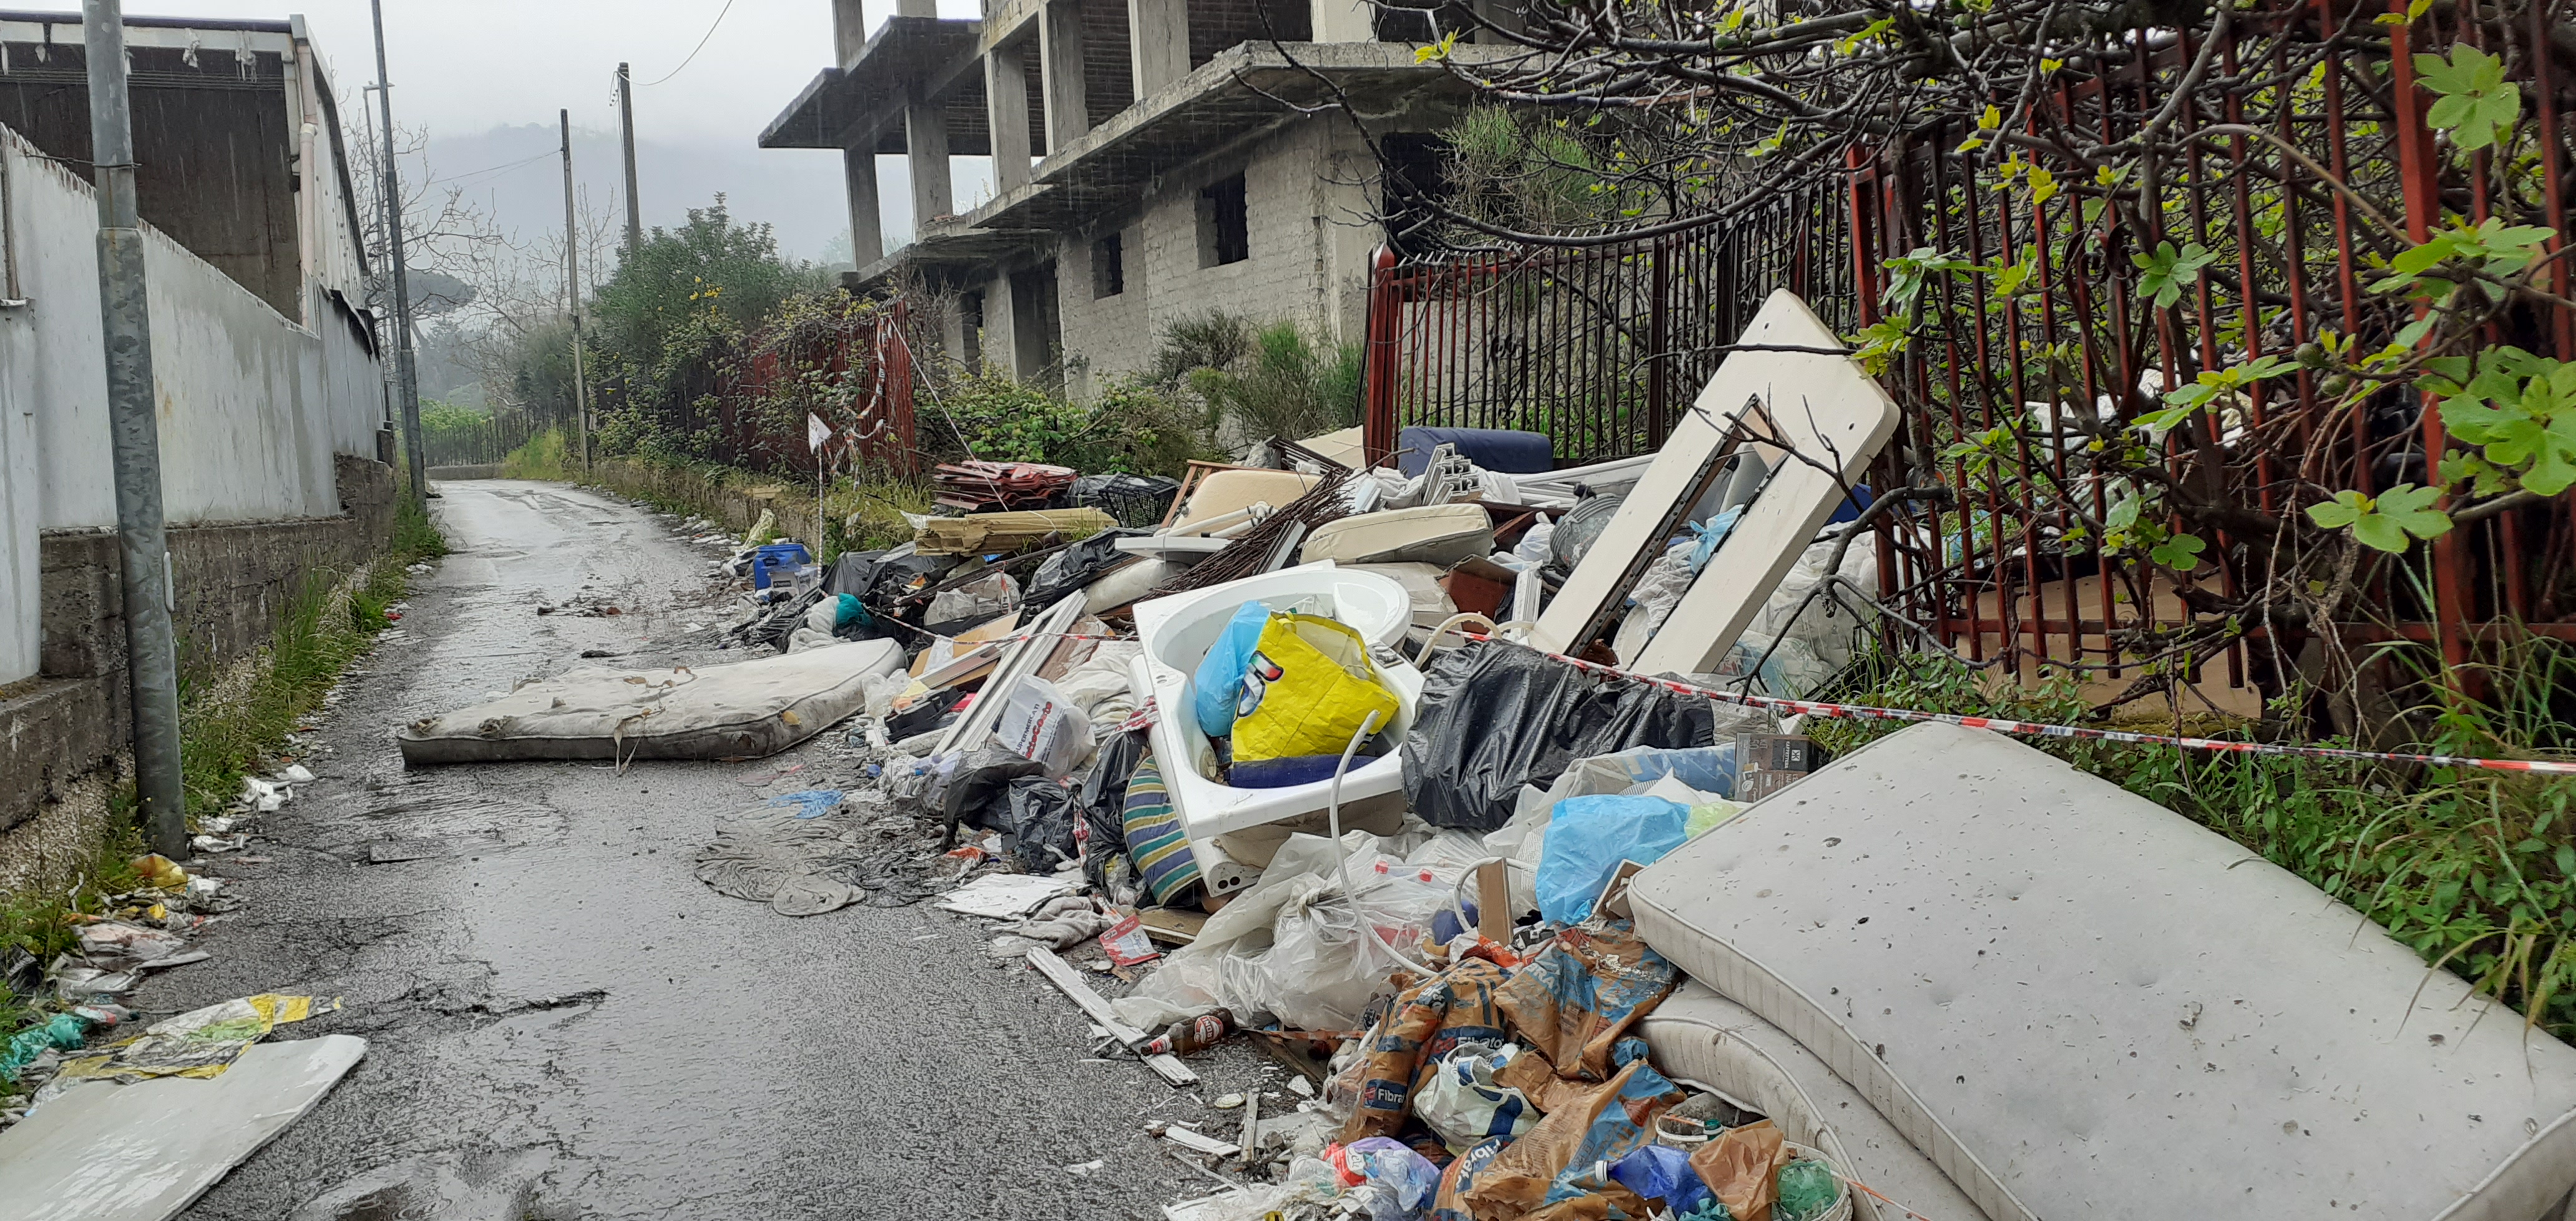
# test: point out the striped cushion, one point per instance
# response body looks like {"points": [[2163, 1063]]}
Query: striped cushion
{"points": [[1154, 837]]}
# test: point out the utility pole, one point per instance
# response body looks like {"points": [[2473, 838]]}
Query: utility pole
{"points": [[572, 293], [634, 205], [134, 439], [406, 373]]}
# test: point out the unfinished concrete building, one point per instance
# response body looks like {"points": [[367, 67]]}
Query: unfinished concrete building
{"points": [[1152, 159]]}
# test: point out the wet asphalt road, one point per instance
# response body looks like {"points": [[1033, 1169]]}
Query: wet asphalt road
{"points": [[560, 1002]]}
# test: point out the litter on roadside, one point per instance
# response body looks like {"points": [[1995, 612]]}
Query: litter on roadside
{"points": [[1351, 762]]}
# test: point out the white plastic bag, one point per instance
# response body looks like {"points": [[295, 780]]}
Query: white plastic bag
{"points": [[1040, 724], [1461, 1104], [984, 598], [1657, 593]]}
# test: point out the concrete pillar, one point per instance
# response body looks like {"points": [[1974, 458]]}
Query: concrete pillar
{"points": [[1006, 114], [1344, 21], [1068, 102], [1158, 43], [925, 139], [849, 30], [916, 8], [867, 232]]}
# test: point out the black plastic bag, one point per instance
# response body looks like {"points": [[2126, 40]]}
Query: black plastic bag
{"points": [[1494, 717], [852, 572], [1074, 567], [898, 579], [979, 793], [1104, 804], [1042, 813]]}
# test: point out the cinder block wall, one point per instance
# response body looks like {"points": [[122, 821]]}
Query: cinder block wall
{"points": [[1312, 228], [233, 581]]}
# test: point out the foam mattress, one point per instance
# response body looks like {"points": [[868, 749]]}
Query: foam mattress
{"points": [[740, 711], [2080, 1004], [1702, 1039]]}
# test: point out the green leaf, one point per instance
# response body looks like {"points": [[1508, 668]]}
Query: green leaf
{"points": [[2380, 533], [2411, 509], [2476, 104], [2346, 508], [2180, 553]]}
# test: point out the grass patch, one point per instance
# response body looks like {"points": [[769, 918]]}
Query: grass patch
{"points": [[547, 455], [2475, 870]]}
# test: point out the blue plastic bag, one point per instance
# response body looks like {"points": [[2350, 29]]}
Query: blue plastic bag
{"points": [[1657, 1173], [1406, 1178], [1219, 681], [1588, 837]]}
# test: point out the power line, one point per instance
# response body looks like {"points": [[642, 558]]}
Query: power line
{"points": [[702, 45]]}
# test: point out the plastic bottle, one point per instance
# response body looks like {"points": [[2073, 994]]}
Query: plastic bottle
{"points": [[1192, 1036]]}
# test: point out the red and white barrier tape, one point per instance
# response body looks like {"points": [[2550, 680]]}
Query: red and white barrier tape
{"points": [[1863, 712]]}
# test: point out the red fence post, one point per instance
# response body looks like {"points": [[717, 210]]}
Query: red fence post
{"points": [[2419, 171], [1378, 372], [897, 371]]}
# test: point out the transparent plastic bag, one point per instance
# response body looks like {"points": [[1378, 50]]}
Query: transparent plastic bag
{"points": [[984, 598]]}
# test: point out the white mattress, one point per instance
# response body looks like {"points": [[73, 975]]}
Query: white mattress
{"points": [[744, 710], [2080, 1004], [1702, 1039]]}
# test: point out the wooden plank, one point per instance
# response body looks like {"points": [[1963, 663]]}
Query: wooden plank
{"points": [[1493, 901], [1172, 926], [1200, 1142], [1069, 982], [1825, 408]]}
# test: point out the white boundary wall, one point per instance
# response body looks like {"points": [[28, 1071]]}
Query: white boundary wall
{"points": [[252, 405]]}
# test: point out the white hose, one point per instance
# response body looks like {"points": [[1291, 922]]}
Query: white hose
{"points": [[1422, 661], [1341, 854]]}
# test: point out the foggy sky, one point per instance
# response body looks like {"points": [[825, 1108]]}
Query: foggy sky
{"points": [[485, 78]]}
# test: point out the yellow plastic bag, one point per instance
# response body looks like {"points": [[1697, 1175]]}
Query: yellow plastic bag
{"points": [[1308, 689]]}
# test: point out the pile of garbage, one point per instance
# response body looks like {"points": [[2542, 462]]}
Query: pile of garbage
{"points": [[1226, 746], [79, 995]]}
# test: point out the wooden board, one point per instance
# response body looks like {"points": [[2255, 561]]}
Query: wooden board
{"points": [[1823, 405], [1069, 982]]}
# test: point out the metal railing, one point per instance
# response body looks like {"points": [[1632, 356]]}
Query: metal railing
{"points": [[1601, 347]]}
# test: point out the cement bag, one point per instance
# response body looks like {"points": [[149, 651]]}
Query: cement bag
{"points": [[1040, 724], [1309, 689], [743, 711], [1218, 684]]}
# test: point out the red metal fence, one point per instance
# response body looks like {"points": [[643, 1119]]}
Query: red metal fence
{"points": [[745, 405], [2036, 336], [2019, 568]]}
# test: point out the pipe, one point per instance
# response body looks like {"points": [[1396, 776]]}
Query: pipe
{"points": [[406, 370], [134, 436]]}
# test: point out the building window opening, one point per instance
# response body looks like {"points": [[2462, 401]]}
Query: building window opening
{"points": [[970, 310], [1225, 230], [1108, 266]]}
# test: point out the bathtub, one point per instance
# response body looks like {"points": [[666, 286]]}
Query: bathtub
{"points": [[1234, 831]]}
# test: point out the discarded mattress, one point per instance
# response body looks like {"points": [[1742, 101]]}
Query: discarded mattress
{"points": [[742, 711], [1704, 1040], [1431, 534], [144, 1152], [1177, 633], [2079, 1003]]}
